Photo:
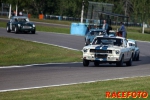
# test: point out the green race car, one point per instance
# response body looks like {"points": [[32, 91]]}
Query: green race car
{"points": [[20, 24]]}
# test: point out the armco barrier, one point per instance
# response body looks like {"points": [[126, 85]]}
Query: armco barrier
{"points": [[78, 29]]}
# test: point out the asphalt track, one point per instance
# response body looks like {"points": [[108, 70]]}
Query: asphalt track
{"points": [[56, 74]]}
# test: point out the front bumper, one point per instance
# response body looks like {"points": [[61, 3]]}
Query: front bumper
{"points": [[102, 57], [30, 28]]}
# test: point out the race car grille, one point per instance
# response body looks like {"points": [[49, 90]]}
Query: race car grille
{"points": [[100, 56], [27, 27], [100, 51]]}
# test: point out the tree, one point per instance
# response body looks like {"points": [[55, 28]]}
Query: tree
{"points": [[127, 7]]}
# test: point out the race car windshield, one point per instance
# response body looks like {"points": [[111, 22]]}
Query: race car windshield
{"points": [[23, 20], [97, 33], [107, 41]]}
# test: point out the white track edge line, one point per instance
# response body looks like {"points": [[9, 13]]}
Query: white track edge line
{"points": [[8, 90], [17, 66]]}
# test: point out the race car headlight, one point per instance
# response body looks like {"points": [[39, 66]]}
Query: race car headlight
{"points": [[33, 25], [117, 51], [85, 50], [19, 25]]}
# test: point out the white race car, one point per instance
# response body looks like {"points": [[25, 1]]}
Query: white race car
{"points": [[108, 50], [136, 51]]}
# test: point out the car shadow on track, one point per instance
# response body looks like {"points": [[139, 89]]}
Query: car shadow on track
{"points": [[143, 60], [22, 33], [77, 64]]}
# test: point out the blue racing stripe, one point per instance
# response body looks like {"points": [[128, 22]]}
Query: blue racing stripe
{"points": [[102, 47]]}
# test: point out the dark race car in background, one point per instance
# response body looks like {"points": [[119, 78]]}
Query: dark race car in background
{"points": [[20, 24], [97, 32]]}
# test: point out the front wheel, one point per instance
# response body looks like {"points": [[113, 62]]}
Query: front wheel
{"points": [[129, 63], [85, 62], [16, 29], [33, 31], [8, 29], [120, 63], [137, 58], [96, 63]]}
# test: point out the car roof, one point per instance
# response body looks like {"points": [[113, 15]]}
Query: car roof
{"points": [[18, 17], [131, 40], [118, 37], [112, 31], [96, 30]]}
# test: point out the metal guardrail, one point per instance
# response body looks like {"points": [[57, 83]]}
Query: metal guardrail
{"points": [[4, 13], [61, 18]]}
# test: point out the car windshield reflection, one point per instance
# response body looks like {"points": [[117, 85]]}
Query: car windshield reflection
{"points": [[95, 33], [22, 20], [107, 41]]}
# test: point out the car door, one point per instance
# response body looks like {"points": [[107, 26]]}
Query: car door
{"points": [[127, 51]]}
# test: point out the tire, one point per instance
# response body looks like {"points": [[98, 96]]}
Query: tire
{"points": [[8, 29], [134, 57], [120, 63], [16, 30], [96, 63], [137, 58], [33, 32], [129, 63], [85, 62], [110, 63]]}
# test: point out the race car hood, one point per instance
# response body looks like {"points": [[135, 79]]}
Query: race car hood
{"points": [[103, 47], [26, 23]]}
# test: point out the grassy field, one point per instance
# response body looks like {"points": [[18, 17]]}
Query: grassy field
{"points": [[88, 91], [53, 29], [19, 52], [138, 36], [52, 21]]}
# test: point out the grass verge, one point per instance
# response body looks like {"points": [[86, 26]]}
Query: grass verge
{"points": [[19, 52], [52, 21], [138, 36], [90, 91], [53, 29], [45, 28]]}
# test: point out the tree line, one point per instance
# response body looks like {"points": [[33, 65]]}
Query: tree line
{"points": [[137, 10]]}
